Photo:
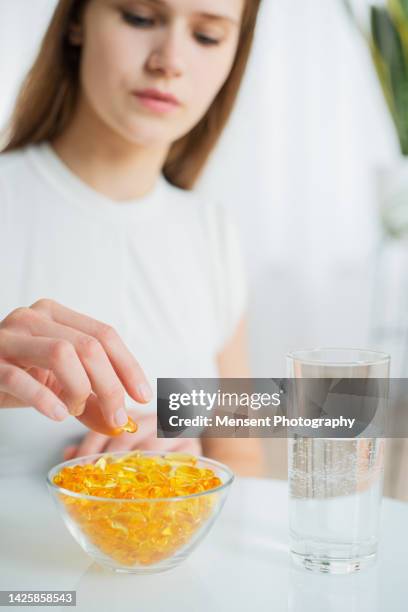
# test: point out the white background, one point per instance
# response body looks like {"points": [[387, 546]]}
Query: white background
{"points": [[296, 166]]}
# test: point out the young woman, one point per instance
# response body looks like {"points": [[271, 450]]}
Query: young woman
{"points": [[102, 233]]}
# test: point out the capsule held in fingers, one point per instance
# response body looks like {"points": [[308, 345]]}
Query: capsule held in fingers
{"points": [[129, 427]]}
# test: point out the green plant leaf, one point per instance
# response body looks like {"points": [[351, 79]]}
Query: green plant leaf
{"points": [[398, 10], [404, 7], [389, 60]]}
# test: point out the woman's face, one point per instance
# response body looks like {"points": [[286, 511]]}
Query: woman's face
{"points": [[182, 48]]}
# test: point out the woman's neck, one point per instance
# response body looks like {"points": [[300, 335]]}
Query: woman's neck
{"points": [[106, 162]]}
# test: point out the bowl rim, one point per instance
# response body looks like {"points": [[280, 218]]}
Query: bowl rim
{"points": [[59, 466]]}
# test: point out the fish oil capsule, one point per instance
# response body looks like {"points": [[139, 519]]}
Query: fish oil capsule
{"points": [[129, 427]]}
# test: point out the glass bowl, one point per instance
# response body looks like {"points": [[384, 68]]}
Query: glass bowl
{"points": [[140, 536]]}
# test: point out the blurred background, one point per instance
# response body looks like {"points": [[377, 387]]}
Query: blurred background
{"points": [[303, 167]]}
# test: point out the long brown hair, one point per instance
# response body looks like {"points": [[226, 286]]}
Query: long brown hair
{"points": [[47, 98]]}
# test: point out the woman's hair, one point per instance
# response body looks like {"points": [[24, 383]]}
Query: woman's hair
{"points": [[47, 98]]}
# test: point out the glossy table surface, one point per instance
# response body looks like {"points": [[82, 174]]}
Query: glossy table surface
{"points": [[243, 564]]}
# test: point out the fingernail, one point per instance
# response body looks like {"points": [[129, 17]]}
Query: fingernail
{"points": [[121, 417], [145, 391], [60, 412]]}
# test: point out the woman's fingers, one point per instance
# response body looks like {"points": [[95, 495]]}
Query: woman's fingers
{"points": [[96, 443], [80, 357], [91, 444], [69, 453], [124, 363], [18, 384], [53, 354], [144, 439], [93, 418], [191, 446], [125, 441], [97, 370], [172, 445], [78, 360]]}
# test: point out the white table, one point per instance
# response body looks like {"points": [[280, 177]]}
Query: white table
{"points": [[242, 565]]}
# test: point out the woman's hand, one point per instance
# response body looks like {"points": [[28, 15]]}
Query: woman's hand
{"points": [[62, 362], [144, 439]]}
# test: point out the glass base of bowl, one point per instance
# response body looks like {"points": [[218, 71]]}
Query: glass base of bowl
{"points": [[143, 571], [154, 568]]}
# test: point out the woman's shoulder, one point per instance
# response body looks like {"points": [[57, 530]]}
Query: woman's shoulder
{"points": [[11, 161], [11, 172]]}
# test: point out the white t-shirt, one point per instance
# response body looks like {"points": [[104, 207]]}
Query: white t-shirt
{"points": [[165, 270]]}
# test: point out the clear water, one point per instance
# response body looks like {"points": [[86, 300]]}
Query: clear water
{"points": [[335, 495]]}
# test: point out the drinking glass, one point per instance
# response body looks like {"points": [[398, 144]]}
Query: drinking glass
{"points": [[335, 484]]}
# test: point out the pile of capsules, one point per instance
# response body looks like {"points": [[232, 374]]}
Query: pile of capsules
{"points": [[139, 532]]}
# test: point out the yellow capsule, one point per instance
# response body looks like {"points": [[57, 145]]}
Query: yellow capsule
{"points": [[101, 463], [181, 458], [130, 426]]}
